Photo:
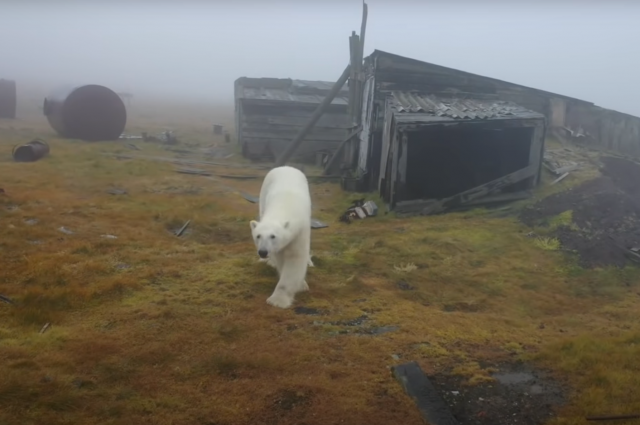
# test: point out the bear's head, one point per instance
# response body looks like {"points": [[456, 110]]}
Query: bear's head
{"points": [[269, 236]]}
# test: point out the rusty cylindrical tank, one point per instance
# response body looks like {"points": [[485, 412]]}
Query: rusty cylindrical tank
{"points": [[30, 152], [92, 113], [8, 99]]}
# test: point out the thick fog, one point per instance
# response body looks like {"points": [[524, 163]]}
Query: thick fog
{"points": [[197, 49]]}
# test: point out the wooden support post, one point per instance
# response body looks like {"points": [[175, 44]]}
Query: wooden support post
{"points": [[288, 152], [363, 28]]}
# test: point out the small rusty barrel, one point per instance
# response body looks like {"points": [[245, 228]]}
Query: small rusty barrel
{"points": [[30, 152], [217, 129], [8, 99], [91, 113]]}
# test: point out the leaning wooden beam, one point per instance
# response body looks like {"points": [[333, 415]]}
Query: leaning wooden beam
{"points": [[288, 152], [559, 179], [336, 154], [480, 191], [428, 207]]}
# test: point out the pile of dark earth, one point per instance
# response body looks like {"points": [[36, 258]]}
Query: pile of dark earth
{"points": [[520, 395], [606, 215]]}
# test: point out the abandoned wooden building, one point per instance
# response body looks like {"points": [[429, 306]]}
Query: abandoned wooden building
{"points": [[425, 127], [457, 151], [269, 112]]}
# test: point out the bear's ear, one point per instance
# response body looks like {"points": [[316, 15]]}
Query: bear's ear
{"points": [[253, 224], [286, 225]]}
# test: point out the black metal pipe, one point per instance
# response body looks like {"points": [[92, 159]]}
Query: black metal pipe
{"points": [[30, 152]]}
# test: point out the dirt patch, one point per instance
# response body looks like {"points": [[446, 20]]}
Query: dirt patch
{"points": [[286, 405], [605, 213], [519, 395]]}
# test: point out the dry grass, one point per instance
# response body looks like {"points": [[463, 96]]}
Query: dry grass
{"points": [[149, 328]]}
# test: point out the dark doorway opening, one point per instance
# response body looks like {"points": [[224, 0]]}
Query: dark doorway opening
{"points": [[446, 160]]}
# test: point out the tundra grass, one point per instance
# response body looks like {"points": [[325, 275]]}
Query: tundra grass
{"points": [[150, 328]]}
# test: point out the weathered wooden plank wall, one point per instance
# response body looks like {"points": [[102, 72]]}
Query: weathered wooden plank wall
{"points": [[266, 128]]}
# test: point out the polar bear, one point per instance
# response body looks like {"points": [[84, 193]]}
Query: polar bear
{"points": [[283, 234]]}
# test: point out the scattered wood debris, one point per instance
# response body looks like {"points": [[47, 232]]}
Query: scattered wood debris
{"points": [[193, 171], [132, 146], [45, 327], [6, 300], [612, 417], [116, 191], [129, 136], [560, 161], [65, 230], [199, 172], [359, 209], [187, 161], [183, 228]]}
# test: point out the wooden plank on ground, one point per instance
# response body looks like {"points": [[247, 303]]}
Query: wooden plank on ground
{"points": [[417, 386], [436, 206]]}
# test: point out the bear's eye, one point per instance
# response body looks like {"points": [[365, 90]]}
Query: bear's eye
{"points": [[273, 236], [258, 237]]}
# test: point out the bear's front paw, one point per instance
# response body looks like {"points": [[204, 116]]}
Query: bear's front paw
{"points": [[303, 286], [280, 299]]}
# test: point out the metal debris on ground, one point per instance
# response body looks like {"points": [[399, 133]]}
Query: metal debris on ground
{"points": [[130, 136], [31, 152], [44, 328], [168, 137], [109, 236], [183, 228], [250, 198], [165, 137], [359, 209], [317, 224], [65, 230]]}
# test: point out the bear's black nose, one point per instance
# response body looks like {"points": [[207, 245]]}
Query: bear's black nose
{"points": [[263, 253]]}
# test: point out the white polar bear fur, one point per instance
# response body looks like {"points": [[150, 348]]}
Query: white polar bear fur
{"points": [[284, 230]]}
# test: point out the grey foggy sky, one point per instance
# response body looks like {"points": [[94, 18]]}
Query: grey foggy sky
{"points": [[197, 48]]}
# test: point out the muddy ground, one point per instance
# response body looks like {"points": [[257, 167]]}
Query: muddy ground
{"points": [[520, 395], [606, 215]]}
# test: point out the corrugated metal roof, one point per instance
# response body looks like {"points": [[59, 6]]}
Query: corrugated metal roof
{"points": [[459, 109], [303, 91]]}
